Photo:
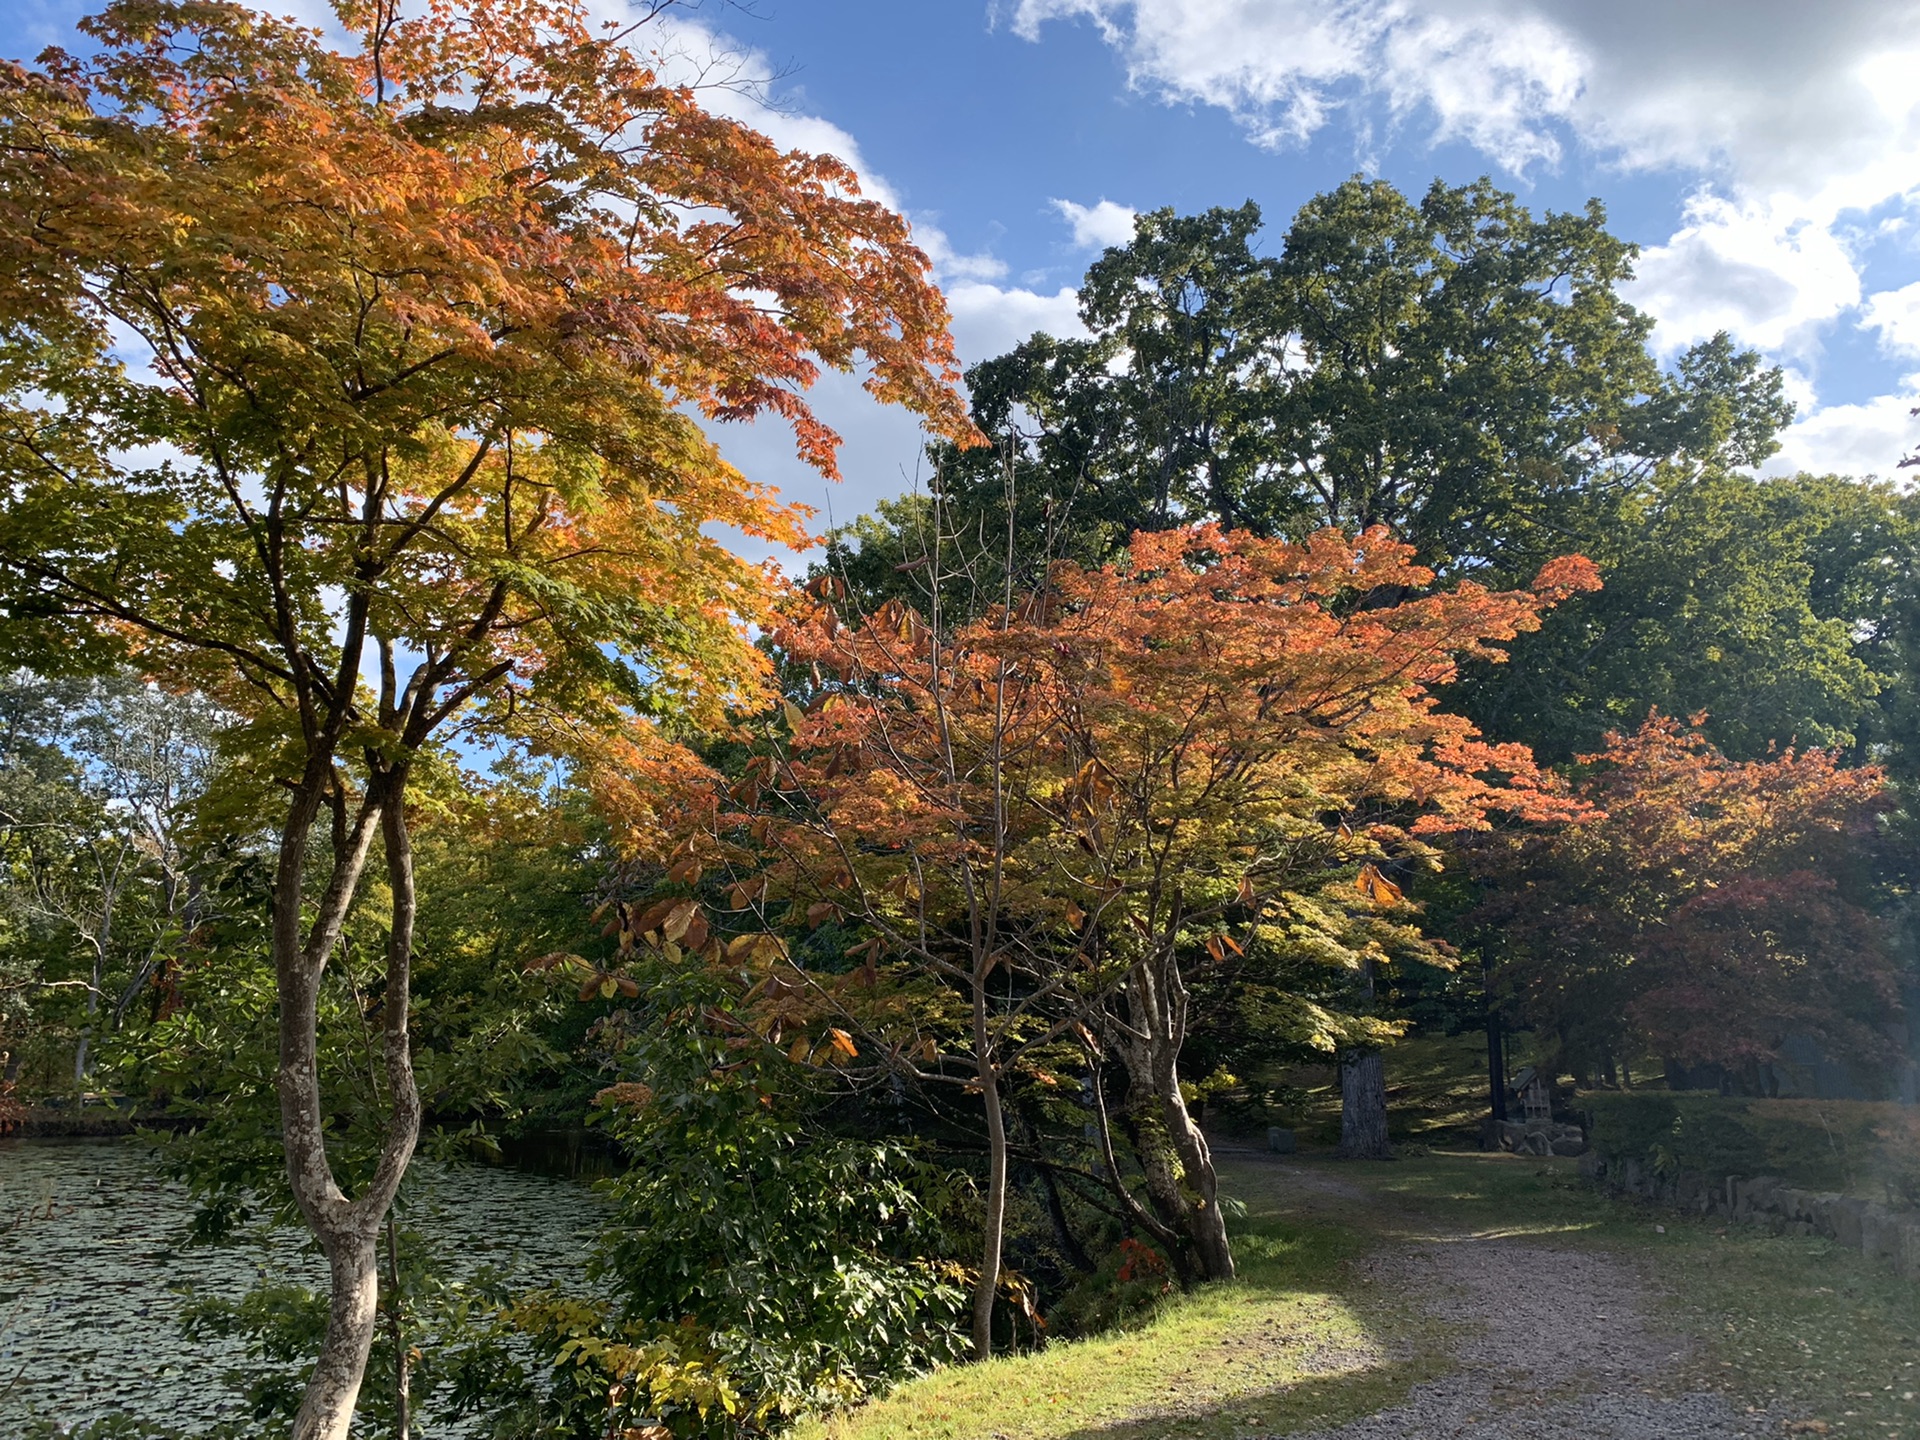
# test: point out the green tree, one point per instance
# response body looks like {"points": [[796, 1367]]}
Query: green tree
{"points": [[1458, 370], [1779, 608], [101, 874]]}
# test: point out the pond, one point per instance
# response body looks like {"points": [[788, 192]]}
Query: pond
{"points": [[92, 1263]]}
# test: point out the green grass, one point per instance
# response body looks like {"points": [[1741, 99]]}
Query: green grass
{"points": [[1775, 1319], [1288, 1346], [1436, 1091], [1296, 1343]]}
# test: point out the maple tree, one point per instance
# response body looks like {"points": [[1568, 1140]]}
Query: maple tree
{"points": [[1054, 811], [1707, 911], [356, 389]]}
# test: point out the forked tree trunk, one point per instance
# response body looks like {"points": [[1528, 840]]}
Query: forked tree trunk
{"points": [[348, 1229], [1158, 1166], [1157, 1006], [1205, 1221], [1163, 1226], [1363, 1106]]}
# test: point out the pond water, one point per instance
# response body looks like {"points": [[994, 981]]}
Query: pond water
{"points": [[92, 1261]]}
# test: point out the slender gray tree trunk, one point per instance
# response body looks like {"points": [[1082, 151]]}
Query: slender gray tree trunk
{"points": [[987, 1286], [1363, 1106], [348, 1229], [353, 1307]]}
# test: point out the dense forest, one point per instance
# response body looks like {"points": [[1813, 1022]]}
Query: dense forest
{"points": [[1358, 635]]}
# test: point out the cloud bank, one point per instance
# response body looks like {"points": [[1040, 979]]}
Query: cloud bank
{"points": [[1791, 122]]}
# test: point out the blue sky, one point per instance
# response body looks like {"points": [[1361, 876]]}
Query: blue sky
{"points": [[1765, 153]]}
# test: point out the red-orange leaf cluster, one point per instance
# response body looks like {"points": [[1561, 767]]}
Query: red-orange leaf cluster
{"points": [[1710, 912], [1047, 812]]}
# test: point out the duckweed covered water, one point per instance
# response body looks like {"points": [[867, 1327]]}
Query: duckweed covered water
{"points": [[93, 1259]]}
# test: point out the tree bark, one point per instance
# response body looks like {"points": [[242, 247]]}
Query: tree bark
{"points": [[333, 1389], [348, 1229], [1162, 1228], [987, 1286], [1163, 1181], [1157, 1005], [1205, 1221], [1363, 1106], [1496, 1049]]}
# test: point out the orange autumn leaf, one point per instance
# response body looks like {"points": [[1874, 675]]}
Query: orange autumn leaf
{"points": [[1376, 887]]}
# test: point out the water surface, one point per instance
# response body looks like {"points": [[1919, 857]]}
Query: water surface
{"points": [[92, 1262]]}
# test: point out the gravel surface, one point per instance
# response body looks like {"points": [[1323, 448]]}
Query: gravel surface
{"points": [[1555, 1343]]}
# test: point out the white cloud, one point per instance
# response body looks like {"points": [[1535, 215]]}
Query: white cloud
{"points": [[989, 320], [1095, 227], [950, 264], [1787, 119], [1864, 439], [1761, 271], [1780, 92], [1896, 315]]}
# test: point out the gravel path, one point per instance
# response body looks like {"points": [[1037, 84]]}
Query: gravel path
{"points": [[1556, 1343]]}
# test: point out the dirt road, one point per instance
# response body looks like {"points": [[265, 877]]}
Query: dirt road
{"points": [[1552, 1341]]}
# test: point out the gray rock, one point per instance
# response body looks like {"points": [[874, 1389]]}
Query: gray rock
{"points": [[1849, 1215], [1280, 1140]]}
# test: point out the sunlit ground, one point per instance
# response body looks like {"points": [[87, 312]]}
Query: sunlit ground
{"points": [[1299, 1343]]}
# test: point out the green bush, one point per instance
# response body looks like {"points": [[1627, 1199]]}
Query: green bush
{"points": [[1855, 1145], [791, 1266]]}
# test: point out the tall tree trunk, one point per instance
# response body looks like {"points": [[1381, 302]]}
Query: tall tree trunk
{"points": [[1496, 1049], [347, 1230], [1162, 1229], [83, 1050], [993, 1230], [1205, 1221], [1363, 1096], [987, 1286], [1159, 1167], [1363, 1106], [353, 1307]]}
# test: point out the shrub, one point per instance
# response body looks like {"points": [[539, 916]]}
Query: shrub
{"points": [[1824, 1144]]}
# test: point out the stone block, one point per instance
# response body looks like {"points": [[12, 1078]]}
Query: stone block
{"points": [[1846, 1216], [1280, 1140], [1881, 1235], [1761, 1192], [1909, 1261]]}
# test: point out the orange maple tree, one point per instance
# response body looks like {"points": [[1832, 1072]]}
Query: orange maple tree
{"points": [[1053, 812], [1709, 911], [354, 384]]}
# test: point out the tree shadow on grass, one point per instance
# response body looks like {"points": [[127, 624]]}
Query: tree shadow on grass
{"points": [[1398, 1344], [1312, 1403]]}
